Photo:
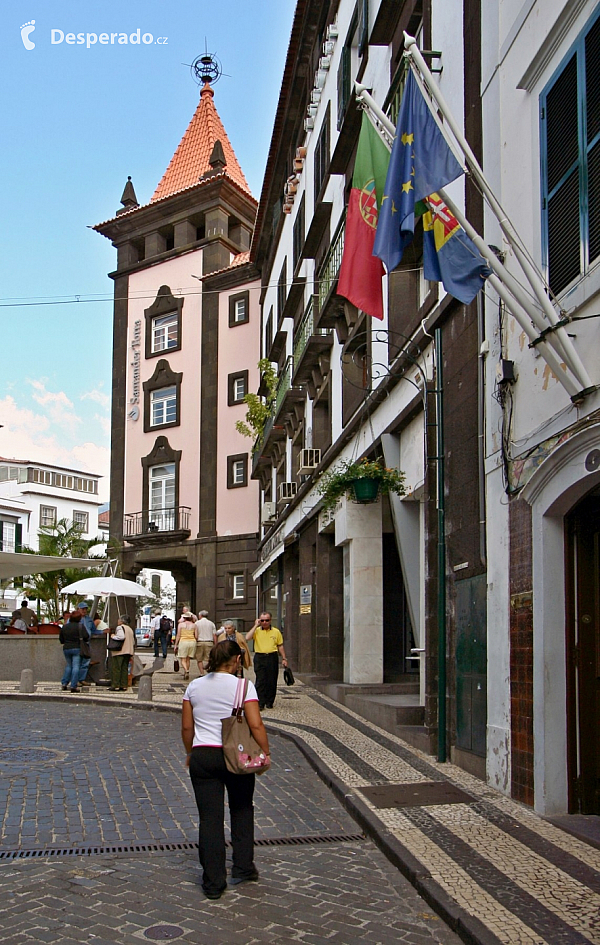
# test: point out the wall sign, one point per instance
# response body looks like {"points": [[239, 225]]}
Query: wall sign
{"points": [[134, 400]]}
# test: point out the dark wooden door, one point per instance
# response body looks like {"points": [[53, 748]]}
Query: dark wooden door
{"points": [[583, 655]]}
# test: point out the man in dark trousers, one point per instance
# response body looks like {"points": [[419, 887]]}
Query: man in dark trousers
{"points": [[268, 642]]}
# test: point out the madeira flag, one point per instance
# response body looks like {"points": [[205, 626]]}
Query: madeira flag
{"points": [[360, 272], [449, 256]]}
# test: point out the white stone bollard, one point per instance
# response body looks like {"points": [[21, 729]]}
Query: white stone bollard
{"points": [[27, 681], [145, 689]]}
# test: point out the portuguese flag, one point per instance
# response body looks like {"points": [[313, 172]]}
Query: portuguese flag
{"points": [[360, 272]]}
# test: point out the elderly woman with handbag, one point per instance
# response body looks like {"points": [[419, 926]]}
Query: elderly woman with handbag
{"points": [[228, 632], [121, 646], [213, 705]]}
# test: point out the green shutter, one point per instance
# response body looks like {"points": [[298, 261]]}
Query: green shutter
{"points": [[343, 86], [363, 25], [18, 537]]}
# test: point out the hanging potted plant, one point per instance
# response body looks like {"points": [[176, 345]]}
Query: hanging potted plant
{"points": [[361, 481]]}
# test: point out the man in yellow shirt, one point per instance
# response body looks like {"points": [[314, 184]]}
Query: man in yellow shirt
{"points": [[268, 642]]}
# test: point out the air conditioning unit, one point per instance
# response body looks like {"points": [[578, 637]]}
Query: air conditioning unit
{"points": [[324, 63], [286, 491], [328, 47], [309, 460], [332, 31], [309, 124], [269, 513]]}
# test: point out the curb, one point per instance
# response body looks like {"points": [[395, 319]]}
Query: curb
{"points": [[470, 929]]}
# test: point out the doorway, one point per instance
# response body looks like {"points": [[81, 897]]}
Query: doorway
{"points": [[582, 561]]}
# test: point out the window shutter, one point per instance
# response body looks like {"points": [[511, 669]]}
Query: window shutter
{"points": [[363, 25], [343, 86], [592, 87], [18, 537], [562, 179]]}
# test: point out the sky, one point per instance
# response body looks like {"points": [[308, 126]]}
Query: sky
{"points": [[77, 119]]}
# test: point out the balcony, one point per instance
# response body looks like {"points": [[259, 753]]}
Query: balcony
{"points": [[157, 525], [285, 394], [329, 305], [309, 344]]}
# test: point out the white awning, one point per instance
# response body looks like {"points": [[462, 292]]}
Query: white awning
{"points": [[16, 565], [278, 550]]}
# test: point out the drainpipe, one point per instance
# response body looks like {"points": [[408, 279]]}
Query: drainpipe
{"points": [[441, 556], [481, 429]]}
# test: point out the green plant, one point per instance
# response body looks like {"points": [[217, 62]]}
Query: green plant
{"points": [[259, 408], [339, 482], [63, 540]]}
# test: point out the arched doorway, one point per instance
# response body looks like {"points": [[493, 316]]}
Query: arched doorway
{"points": [[582, 585]]}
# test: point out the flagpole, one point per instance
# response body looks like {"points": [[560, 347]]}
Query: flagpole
{"points": [[507, 228], [518, 303]]}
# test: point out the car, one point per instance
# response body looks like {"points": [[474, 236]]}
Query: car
{"points": [[143, 636]]}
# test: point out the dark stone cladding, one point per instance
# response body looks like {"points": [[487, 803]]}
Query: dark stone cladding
{"points": [[521, 651], [209, 560], [118, 410], [208, 416], [230, 278]]}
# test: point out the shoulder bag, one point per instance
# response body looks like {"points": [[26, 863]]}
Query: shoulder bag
{"points": [[243, 754], [115, 645]]}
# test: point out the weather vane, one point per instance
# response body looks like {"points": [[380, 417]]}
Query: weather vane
{"points": [[206, 68]]}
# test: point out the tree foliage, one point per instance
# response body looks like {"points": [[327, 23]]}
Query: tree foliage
{"points": [[64, 539], [259, 408]]}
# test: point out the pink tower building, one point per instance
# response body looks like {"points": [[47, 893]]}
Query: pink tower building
{"points": [[185, 353]]}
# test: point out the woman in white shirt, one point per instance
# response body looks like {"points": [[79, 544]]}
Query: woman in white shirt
{"points": [[208, 700]]}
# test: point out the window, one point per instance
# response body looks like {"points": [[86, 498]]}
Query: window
{"points": [[281, 290], [164, 332], [162, 487], [268, 333], [322, 155], [8, 533], [570, 146], [81, 519], [363, 26], [163, 406], [239, 309], [238, 589], [299, 233], [237, 388], [163, 321], [47, 516], [237, 471], [155, 584]]}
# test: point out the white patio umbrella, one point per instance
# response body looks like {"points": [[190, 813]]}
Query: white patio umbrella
{"points": [[104, 586]]}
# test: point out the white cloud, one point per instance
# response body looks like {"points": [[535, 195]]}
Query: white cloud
{"points": [[28, 435], [98, 396], [58, 406]]}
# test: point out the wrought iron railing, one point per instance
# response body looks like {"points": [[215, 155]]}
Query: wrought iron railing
{"points": [[330, 268], [284, 384], [305, 331], [156, 521]]}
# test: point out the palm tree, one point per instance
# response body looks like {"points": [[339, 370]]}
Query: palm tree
{"points": [[64, 539]]}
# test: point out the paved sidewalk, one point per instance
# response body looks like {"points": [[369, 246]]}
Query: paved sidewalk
{"points": [[494, 869]]}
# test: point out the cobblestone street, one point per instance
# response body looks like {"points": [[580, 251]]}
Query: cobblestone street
{"points": [[107, 776]]}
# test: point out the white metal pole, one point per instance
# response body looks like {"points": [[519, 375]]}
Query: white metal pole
{"points": [[511, 284], [506, 225], [547, 353]]}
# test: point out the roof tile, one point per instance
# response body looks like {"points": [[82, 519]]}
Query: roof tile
{"points": [[191, 159]]}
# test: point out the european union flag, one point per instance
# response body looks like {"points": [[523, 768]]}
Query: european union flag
{"points": [[421, 163]]}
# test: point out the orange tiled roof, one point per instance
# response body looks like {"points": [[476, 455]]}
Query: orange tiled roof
{"points": [[191, 158]]}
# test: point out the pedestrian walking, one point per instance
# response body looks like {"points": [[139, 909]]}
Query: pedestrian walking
{"points": [[72, 634], [206, 636], [119, 659], [268, 642], [228, 632], [208, 700], [185, 641], [161, 628]]}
